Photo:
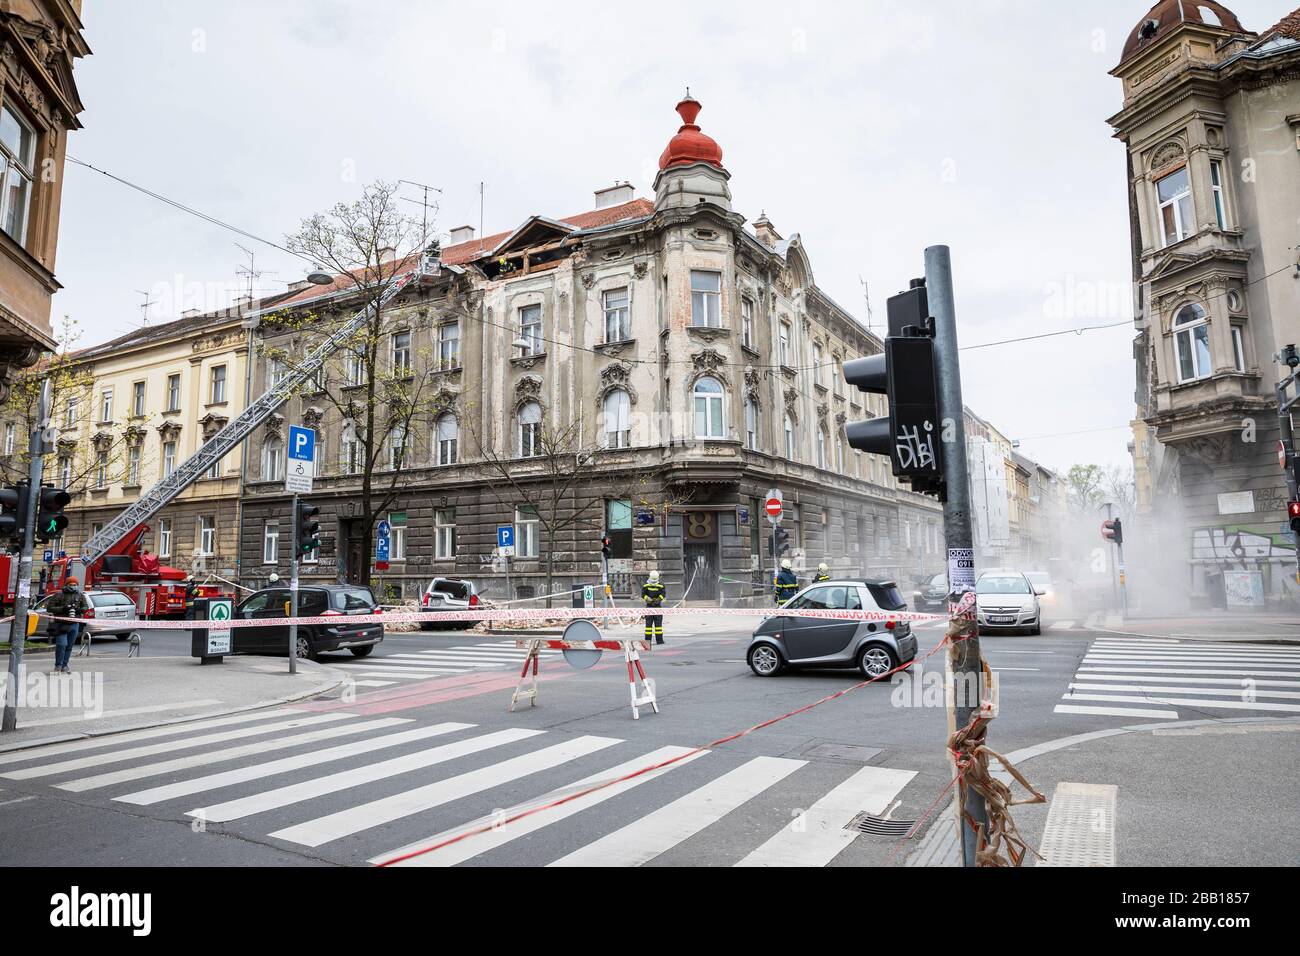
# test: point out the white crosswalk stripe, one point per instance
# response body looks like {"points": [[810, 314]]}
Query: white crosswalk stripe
{"points": [[435, 662], [1152, 677], [351, 780]]}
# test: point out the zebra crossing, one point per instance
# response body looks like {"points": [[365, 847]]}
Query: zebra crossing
{"points": [[438, 662], [392, 788], [1165, 679]]}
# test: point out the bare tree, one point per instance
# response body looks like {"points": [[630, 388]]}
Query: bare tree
{"points": [[1119, 488], [382, 393]]}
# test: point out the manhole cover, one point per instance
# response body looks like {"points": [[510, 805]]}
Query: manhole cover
{"points": [[851, 752], [881, 826]]}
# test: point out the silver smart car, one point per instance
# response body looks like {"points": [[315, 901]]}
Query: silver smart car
{"points": [[873, 647]]}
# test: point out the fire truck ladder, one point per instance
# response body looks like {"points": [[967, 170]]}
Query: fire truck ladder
{"points": [[226, 440]]}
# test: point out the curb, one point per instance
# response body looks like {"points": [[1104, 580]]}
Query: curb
{"points": [[335, 678]]}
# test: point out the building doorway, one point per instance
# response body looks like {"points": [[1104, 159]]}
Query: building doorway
{"points": [[354, 554], [700, 555]]}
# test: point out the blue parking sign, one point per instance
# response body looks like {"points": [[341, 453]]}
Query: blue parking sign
{"points": [[302, 443], [505, 536]]}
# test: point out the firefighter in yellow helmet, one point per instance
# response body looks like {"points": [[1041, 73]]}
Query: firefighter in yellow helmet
{"points": [[823, 573], [787, 585], [652, 592]]}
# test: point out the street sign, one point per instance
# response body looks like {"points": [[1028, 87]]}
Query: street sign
{"points": [[383, 544], [49, 556], [219, 609], [506, 540], [645, 516], [385, 529], [302, 460], [1281, 455]]}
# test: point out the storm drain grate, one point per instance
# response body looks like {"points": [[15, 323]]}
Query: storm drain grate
{"points": [[881, 826]]}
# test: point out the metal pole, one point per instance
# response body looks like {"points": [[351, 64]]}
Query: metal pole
{"points": [[18, 626], [1286, 435], [776, 558], [963, 656], [1114, 580], [293, 594]]}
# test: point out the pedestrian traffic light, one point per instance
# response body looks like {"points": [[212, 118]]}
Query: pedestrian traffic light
{"points": [[1113, 530], [13, 515], [1293, 512], [50, 519], [308, 528], [909, 435]]}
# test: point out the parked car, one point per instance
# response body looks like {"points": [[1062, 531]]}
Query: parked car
{"points": [[933, 595], [448, 594], [334, 601], [112, 612], [1007, 601], [873, 647]]}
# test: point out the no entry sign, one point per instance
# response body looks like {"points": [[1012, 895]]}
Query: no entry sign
{"points": [[773, 507]]}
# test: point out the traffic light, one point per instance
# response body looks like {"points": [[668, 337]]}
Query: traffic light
{"points": [[308, 528], [13, 515], [606, 546], [1293, 512], [782, 541], [50, 519], [904, 372], [1113, 530]]}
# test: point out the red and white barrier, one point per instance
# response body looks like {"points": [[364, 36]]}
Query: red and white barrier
{"points": [[641, 687]]}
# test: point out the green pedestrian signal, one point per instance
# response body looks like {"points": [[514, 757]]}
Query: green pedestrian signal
{"points": [[50, 519]]}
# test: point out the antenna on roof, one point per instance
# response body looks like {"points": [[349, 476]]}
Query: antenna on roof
{"points": [[144, 308], [866, 297], [424, 204], [252, 272]]}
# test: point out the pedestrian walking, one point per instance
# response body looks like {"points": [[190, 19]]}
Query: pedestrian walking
{"points": [[652, 592], [787, 585], [69, 602], [823, 573]]}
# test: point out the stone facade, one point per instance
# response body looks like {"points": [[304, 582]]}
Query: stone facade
{"points": [[1211, 123]]}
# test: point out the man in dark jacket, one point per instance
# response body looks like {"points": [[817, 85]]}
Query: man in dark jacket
{"points": [[69, 602], [787, 585], [823, 573], [652, 593]]}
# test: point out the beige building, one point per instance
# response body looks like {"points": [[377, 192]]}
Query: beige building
{"points": [[40, 40], [1211, 124]]}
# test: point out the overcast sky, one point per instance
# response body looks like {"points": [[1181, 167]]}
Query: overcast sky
{"points": [[872, 129]]}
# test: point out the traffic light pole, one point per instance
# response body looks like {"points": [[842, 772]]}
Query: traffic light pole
{"points": [[18, 626], [1287, 436], [964, 659], [293, 594]]}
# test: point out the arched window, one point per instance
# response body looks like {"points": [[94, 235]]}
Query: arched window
{"points": [[709, 421], [530, 430], [448, 429], [817, 363], [751, 425], [1192, 343], [618, 412], [821, 447], [789, 438], [273, 460]]}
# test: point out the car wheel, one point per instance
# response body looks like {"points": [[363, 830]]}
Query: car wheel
{"points": [[362, 651], [305, 649], [122, 637], [876, 660], [765, 660], [428, 627], [1036, 630]]}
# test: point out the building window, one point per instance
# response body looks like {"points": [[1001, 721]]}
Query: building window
{"points": [[449, 345], [1216, 182], [837, 376], [218, 384], [137, 400], [526, 525], [789, 438], [354, 367], [133, 465], [618, 412], [448, 429], [783, 351], [1238, 348], [706, 299], [618, 323], [1192, 342], [444, 520], [169, 458], [397, 546], [839, 454], [106, 406], [817, 365], [821, 447], [530, 329], [173, 393], [214, 470], [401, 354], [709, 420], [17, 172], [70, 414], [396, 446], [1176, 216], [272, 460], [747, 323], [351, 452], [65, 471], [751, 425], [278, 371], [164, 537], [271, 542], [10, 432], [530, 430], [207, 535]]}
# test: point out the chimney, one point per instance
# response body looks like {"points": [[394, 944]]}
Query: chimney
{"points": [[462, 234], [298, 285], [189, 313], [765, 232], [614, 195]]}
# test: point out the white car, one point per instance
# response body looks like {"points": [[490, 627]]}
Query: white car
{"points": [[449, 594], [1007, 601]]}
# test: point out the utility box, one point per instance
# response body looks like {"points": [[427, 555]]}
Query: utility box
{"points": [[211, 644]]}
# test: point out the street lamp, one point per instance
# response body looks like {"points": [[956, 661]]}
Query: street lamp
{"points": [[316, 275]]}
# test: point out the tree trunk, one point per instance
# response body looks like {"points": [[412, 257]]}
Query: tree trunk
{"points": [[550, 566]]}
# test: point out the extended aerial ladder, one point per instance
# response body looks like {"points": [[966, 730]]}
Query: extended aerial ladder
{"points": [[229, 437]]}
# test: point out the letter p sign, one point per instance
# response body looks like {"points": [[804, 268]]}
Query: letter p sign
{"points": [[302, 444]]}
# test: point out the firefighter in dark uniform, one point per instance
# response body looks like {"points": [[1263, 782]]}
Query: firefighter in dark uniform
{"points": [[652, 592], [787, 585], [823, 573]]}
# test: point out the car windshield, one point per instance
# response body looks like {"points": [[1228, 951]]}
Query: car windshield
{"points": [[110, 599], [453, 589], [838, 598], [938, 581], [351, 599], [1002, 584], [887, 597]]}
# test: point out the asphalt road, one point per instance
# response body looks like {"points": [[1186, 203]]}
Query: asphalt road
{"points": [[420, 746]]}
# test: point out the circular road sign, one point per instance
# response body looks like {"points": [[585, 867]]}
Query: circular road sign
{"points": [[581, 657], [773, 507]]}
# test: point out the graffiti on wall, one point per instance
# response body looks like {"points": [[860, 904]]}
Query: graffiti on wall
{"points": [[1242, 544]]}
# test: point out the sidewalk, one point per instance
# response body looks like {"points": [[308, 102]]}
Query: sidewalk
{"points": [[108, 694], [1221, 626]]}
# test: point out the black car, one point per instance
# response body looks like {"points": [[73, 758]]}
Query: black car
{"points": [[933, 594], [340, 601]]}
